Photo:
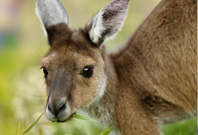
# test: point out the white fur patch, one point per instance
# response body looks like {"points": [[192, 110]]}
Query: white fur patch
{"points": [[103, 112], [102, 82], [53, 54], [97, 28], [105, 28], [49, 115]]}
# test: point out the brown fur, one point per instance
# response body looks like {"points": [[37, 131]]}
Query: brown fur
{"points": [[150, 81]]}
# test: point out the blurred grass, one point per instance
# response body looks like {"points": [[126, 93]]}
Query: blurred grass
{"points": [[186, 127], [22, 88]]}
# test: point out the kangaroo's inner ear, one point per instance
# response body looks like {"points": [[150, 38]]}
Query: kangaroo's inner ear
{"points": [[106, 24], [51, 14]]}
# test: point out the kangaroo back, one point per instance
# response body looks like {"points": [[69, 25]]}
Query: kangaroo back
{"points": [[163, 55]]}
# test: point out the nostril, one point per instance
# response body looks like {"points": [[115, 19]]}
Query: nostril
{"points": [[56, 106], [49, 108], [62, 107]]}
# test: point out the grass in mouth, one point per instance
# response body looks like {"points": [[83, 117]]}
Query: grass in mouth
{"points": [[106, 132], [77, 116]]}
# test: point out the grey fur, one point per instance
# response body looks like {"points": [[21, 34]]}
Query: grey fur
{"points": [[51, 12]]}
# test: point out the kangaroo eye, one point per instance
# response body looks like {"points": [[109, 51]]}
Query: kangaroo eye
{"points": [[87, 72], [45, 72]]}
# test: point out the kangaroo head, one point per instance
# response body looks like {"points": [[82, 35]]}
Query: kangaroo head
{"points": [[74, 67]]}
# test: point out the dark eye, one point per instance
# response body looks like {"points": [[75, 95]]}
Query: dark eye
{"points": [[87, 72], [45, 72]]}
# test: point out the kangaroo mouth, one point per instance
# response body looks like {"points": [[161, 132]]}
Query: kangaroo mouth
{"points": [[66, 120]]}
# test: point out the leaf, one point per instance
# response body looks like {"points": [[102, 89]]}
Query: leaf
{"points": [[32, 125], [83, 117], [106, 132]]}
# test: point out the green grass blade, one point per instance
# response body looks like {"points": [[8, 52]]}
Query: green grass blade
{"points": [[18, 131], [32, 125], [106, 132], [83, 118], [40, 131]]}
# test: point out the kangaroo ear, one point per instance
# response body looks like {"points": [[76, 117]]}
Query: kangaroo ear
{"points": [[51, 13], [106, 24]]}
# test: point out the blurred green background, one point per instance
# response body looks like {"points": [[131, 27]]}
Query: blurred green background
{"points": [[22, 45]]}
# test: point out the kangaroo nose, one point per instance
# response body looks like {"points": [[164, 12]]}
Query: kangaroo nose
{"points": [[55, 107]]}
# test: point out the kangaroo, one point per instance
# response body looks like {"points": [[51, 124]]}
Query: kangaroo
{"points": [[148, 82]]}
